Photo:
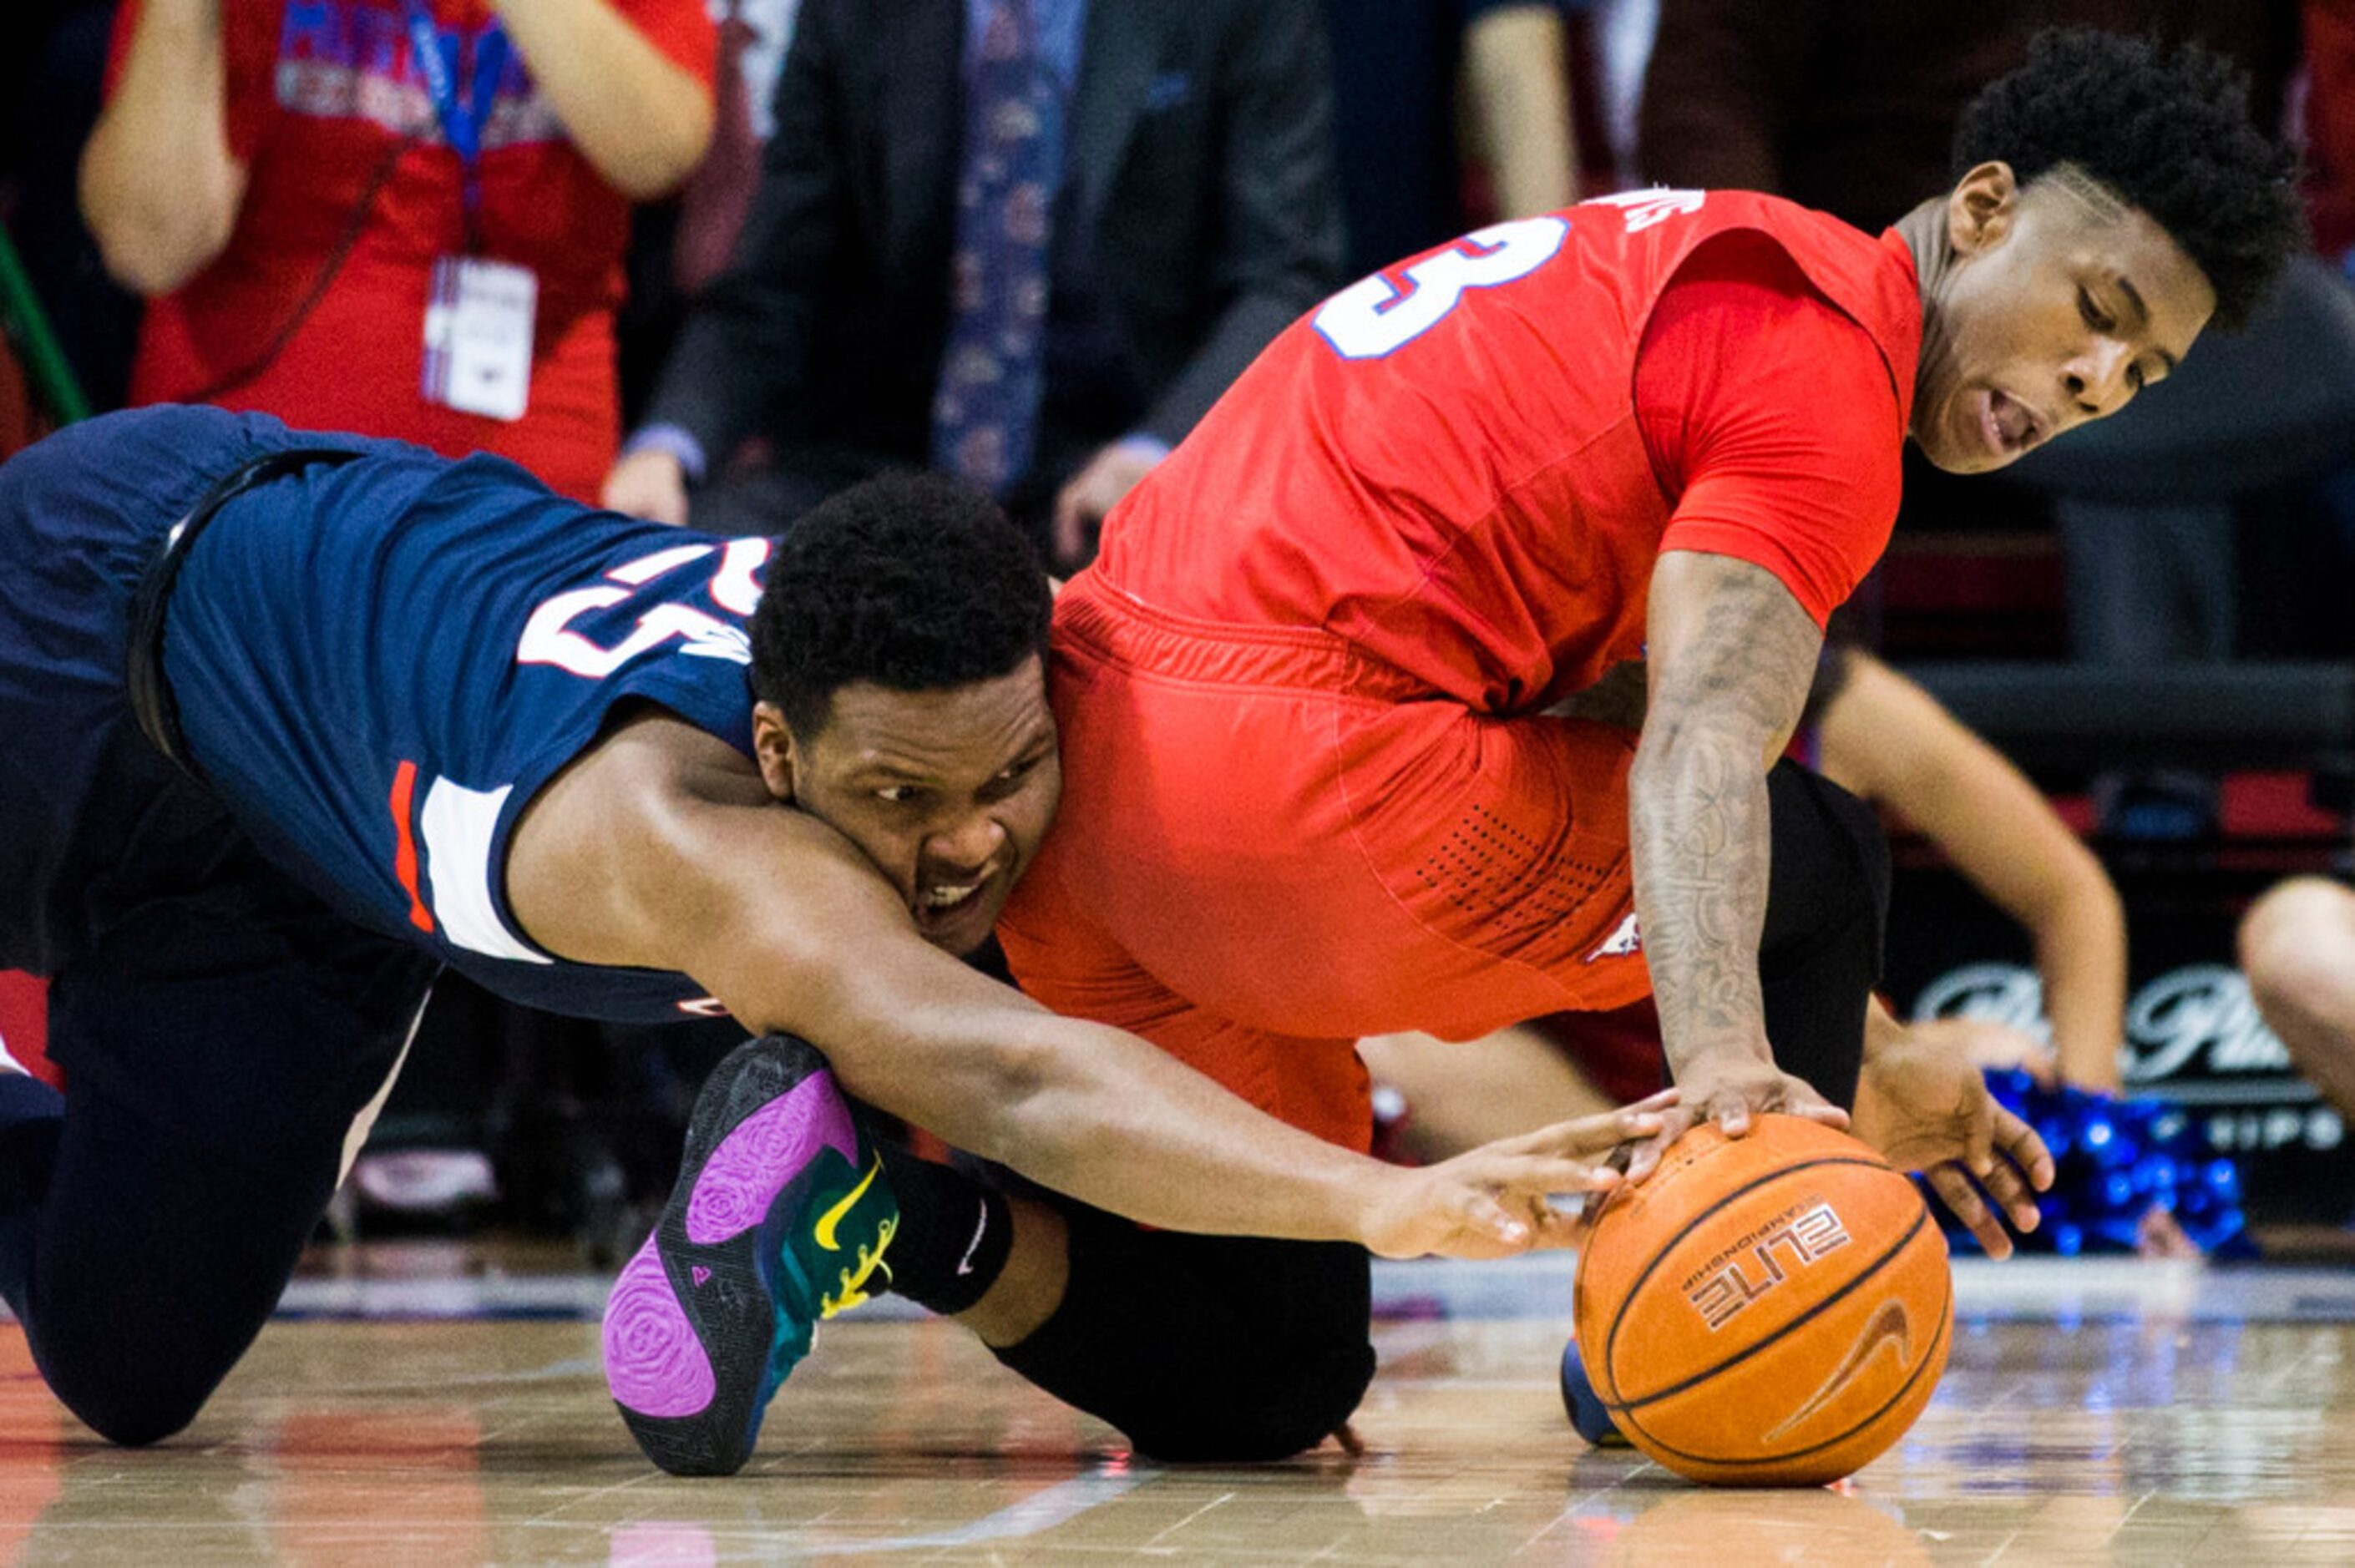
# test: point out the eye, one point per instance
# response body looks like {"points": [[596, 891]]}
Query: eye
{"points": [[2095, 317], [899, 794], [1007, 782]]}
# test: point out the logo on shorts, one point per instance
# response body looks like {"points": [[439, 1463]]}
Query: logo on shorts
{"points": [[1723, 1287], [1623, 942]]}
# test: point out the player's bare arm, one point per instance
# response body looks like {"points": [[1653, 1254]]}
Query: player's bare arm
{"points": [[1731, 654], [662, 849], [1890, 741]]}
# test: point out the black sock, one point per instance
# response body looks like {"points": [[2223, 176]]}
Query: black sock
{"points": [[954, 1235], [1229, 1350]]}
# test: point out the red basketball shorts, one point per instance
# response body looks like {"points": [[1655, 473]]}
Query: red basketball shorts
{"points": [[1271, 846]]}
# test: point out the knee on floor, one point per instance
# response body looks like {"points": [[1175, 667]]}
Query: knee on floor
{"points": [[127, 1418], [127, 1398], [2297, 947]]}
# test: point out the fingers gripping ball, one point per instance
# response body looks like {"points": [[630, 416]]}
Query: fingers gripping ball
{"points": [[1768, 1311]]}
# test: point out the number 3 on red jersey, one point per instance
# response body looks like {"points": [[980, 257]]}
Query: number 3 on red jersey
{"points": [[1370, 318]]}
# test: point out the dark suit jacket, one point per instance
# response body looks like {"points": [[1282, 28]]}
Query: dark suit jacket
{"points": [[1198, 218]]}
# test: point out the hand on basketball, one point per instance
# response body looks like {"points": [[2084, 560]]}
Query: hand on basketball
{"points": [[1729, 1087], [1495, 1201], [1924, 1105]]}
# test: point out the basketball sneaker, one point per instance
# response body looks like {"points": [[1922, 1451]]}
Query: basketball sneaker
{"points": [[779, 1219], [1588, 1413]]}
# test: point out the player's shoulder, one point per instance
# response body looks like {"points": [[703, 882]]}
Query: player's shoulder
{"points": [[637, 822], [1870, 279], [1828, 248]]}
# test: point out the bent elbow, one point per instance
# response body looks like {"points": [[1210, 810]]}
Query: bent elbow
{"points": [[151, 245], [150, 264], [1011, 1078], [2078, 899]]}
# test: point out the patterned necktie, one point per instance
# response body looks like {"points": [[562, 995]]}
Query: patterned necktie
{"points": [[986, 409]]}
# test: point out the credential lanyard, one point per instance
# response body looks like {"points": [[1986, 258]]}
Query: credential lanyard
{"points": [[462, 119]]}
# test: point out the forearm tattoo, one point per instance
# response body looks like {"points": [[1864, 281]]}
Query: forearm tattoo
{"points": [[1730, 687]]}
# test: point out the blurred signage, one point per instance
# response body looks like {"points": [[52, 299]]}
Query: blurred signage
{"points": [[2193, 1034]]}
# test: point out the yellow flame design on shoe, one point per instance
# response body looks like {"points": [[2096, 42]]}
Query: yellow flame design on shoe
{"points": [[832, 1217], [854, 1278]]}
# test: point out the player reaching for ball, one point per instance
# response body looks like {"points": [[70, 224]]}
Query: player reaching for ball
{"points": [[1316, 786], [288, 722], [1322, 783]]}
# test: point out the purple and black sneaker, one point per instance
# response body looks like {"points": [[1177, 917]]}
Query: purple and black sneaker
{"points": [[780, 1218]]}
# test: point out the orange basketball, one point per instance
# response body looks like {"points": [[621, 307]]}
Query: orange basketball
{"points": [[1767, 1311]]}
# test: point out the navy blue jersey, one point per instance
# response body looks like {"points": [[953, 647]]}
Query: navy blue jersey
{"points": [[378, 664]]}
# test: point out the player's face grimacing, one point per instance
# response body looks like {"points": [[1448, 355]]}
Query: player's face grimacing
{"points": [[947, 792], [2058, 303]]}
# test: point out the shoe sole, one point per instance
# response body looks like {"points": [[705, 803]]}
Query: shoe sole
{"points": [[692, 1321]]}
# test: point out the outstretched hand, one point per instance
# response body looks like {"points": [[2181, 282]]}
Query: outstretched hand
{"points": [[1924, 1105], [1495, 1201], [1730, 1089]]}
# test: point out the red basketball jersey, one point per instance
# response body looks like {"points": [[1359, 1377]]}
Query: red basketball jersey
{"points": [[1442, 463]]}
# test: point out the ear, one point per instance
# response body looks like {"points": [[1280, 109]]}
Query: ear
{"points": [[773, 750], [1982, 209]]}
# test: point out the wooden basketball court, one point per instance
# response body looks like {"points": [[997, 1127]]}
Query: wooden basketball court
{"points": [[438, 1405]]}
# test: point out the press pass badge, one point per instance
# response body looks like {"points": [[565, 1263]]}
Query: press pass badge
{"points": [[478, 318], [478, 325]]}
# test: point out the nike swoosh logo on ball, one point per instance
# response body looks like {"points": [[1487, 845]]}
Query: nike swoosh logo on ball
{"points": [[1888, 1326]]}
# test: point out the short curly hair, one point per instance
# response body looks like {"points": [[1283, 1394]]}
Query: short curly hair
{"points": [[911, 581], [2167, 130]]}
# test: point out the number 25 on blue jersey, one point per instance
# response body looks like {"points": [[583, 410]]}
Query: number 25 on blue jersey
{"points": [[1371, 318]]}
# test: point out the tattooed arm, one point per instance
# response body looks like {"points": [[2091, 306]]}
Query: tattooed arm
{"points": [[1731, 654]]}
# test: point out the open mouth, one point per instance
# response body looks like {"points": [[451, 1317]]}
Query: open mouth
{"points": [[943, 901], [2011, 427]]}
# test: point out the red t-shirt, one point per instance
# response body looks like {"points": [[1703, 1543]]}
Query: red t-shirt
{"points": [[320, 95], [1468, 465]]}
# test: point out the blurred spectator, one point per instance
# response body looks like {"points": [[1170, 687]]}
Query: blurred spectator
{"points": [[52, 58], [2297, 948], [1619, 41], [1396, 65], [712, 207], [2330, 125], [1886, 740], [294, 182], [1850, 105], [1025, 241], [678, 246], [311, 190]]}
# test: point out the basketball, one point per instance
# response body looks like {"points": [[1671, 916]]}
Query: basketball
{"points": [[1767, 1310]]}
